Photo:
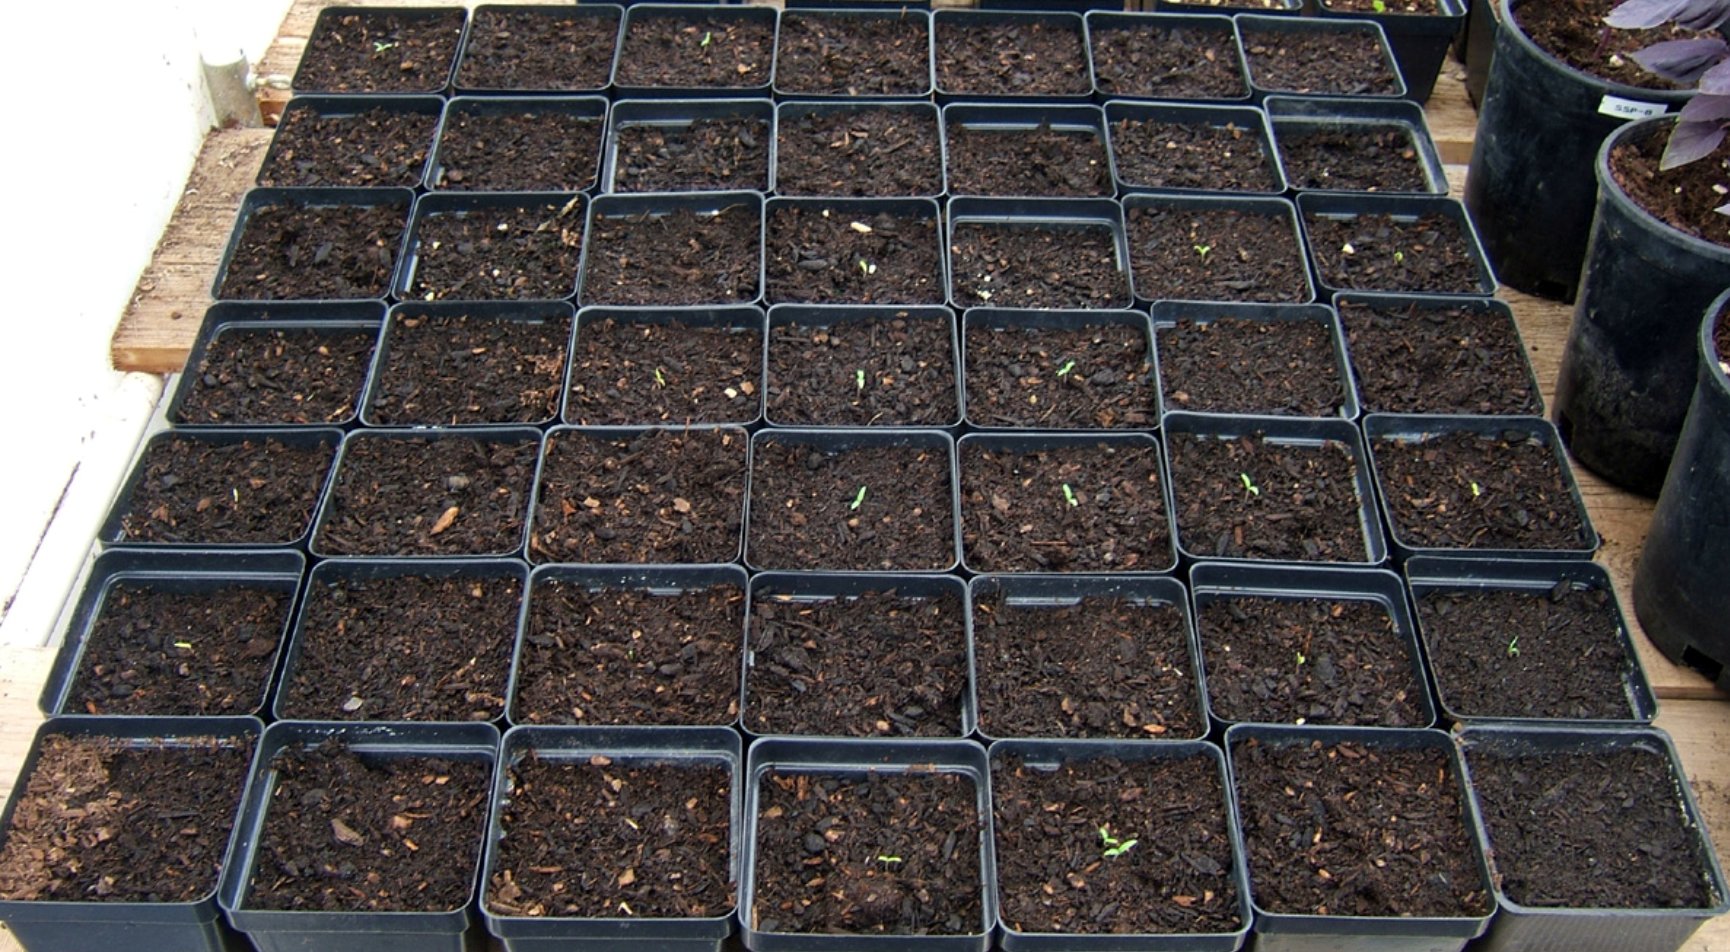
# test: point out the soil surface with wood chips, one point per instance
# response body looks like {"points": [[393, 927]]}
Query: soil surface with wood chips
{"points": [[265, 375], [640, 373], [455, 495], [199, 491]]}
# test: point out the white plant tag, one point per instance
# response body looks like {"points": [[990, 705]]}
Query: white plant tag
{"points": [[1630, 108]]}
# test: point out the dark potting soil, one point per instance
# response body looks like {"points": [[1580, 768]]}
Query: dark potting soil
{"points": [[893, 370], [1198, 155], [1216, 254], [1573, 31], [614, 839], [1437, 360], [1011, 57], [626, 373], [455, 495], [529, 151], [335, 252], [1313, 62], [681, 257], [1034, 162], [404, 648], [105, 819], [1372, 252], [1590, 829], [375, 147], [1356, 830], [1102, 667], [265, 375], [1035, 266], [1227, 6], [156, 651], [1058, 873], [195, 491], [695, 50], [874, 508], [702, 155], [879, 665], [1307, 661], [448, 369], [1466, 491], [1066, 508], [350, 832], [1167, 62], [1250, 498], [852, 55], [381, 52], [661, 496], [861, 152], [538, 49], [1078, 377], [1367, 7], [613, 656], [1240, 365], [1514, 653], [869, 853], [1367, 158], [824, 256], [498, 253], [1685, 197]]}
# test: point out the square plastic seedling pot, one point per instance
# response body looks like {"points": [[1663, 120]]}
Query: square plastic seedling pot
{"points": [[625, 747], [638, 12], [1048, 319], [921, 111], [401, 199], [1082, 118], [1058, 19], [1433, 302], [643, 205], [1291, 114], [919, 13], [1427, 574], [299, 930], [460, 205], [80, 925], [805, 316], [735, 319], [242, 319], [345, 107], [1231, 8], [1251, 120], [1418, 41], [614, 12], [1053, 214], [1401, 208], [180, 572], [1519, 927], [1268, 206], [1167, 314], [438, 81], [1054, 754], [858, 758], [1103, 21], [859, 209], [1211, 581], [588, 107], [679, 114], [1259, 23]]}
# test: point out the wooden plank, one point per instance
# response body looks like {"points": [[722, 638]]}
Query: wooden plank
{"points": [[23, 669], [1453, 122], [1701, 732]]}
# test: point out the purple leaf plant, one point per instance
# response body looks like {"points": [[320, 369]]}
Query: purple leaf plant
{"points": [[1701, 62]]}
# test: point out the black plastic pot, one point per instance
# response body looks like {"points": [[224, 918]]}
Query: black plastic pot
{"points": [[592, 108], [1313, 205], [348, 107], [463, 204], [1624, 386], [1266, 206], [1054, 754], [1254, 24], [860, 210], [637, 12], [656, 205], [977, 417], [1679, 591], [223, 321], [680, 114], [1014, 117], [610, 13], [1054, 214], [689, 747], [1531, 187], [1292, 115], [289, 930], [920, 13], [1419, 41], [1100, 22], [1212, 581], [185, 572], [438, 79], [1413, 305], [1520, 927], [737, 319], [1067, 18], [1167, 314], [917, 111], [805, 316], [197, 926], [782, 756], [1251, 121], [1426, 575], [400, 199]]}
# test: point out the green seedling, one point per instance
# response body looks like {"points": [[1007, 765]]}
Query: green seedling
{"points": [[1301, 658], [1069, 496], [1477, 490], [708, 37], [867, 268], [1514, 647], [859, 379], [1378, 6], [858, 498], [1399, 257], [186, 645], [1064, 370], [660, 380], [888, 860], [1202, 250], [1110, 846], [379, 46], [1249, 485]]}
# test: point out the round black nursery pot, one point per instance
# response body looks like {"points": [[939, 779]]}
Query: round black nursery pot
{"points": [[1628, 365], [1679, 592]]}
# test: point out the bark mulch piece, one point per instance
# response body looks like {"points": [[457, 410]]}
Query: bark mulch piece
{"points": [[861, 152], [608, 839], [823, 256], [1376, 252], [333, 252], [377, 147], [451, 369], [337, 832], [1359, 158], [1159, 154], [1011, 57], [527, 151], [696, 51], [520, 49], [682, 257], [258, 492], [1070, 507], [629, 656], [403, 648], [897, 369], [1686, 197], [1251, 498], [453, 495], [722, 154], [1051, 828], [660, 496], [627, 373], [1421, 359], [1032, 162], [1240, 365], [488, 253], [874, 508], [1216, 254], [1307, 661], [878, 665], [1464, 490], [870, 854], [105, 819], [155, 651], [1320, 63], [1349, 829], [1035, 265], [1081, 377], [1102, 667], [1168, 62], [1573, 32], [834, 55], [268, 376], [378, 51]]}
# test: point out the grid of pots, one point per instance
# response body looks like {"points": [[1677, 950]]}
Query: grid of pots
{"points": [[494, 589]]}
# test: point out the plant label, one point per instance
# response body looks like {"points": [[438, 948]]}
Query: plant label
{"points": [[1619, 108]]}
